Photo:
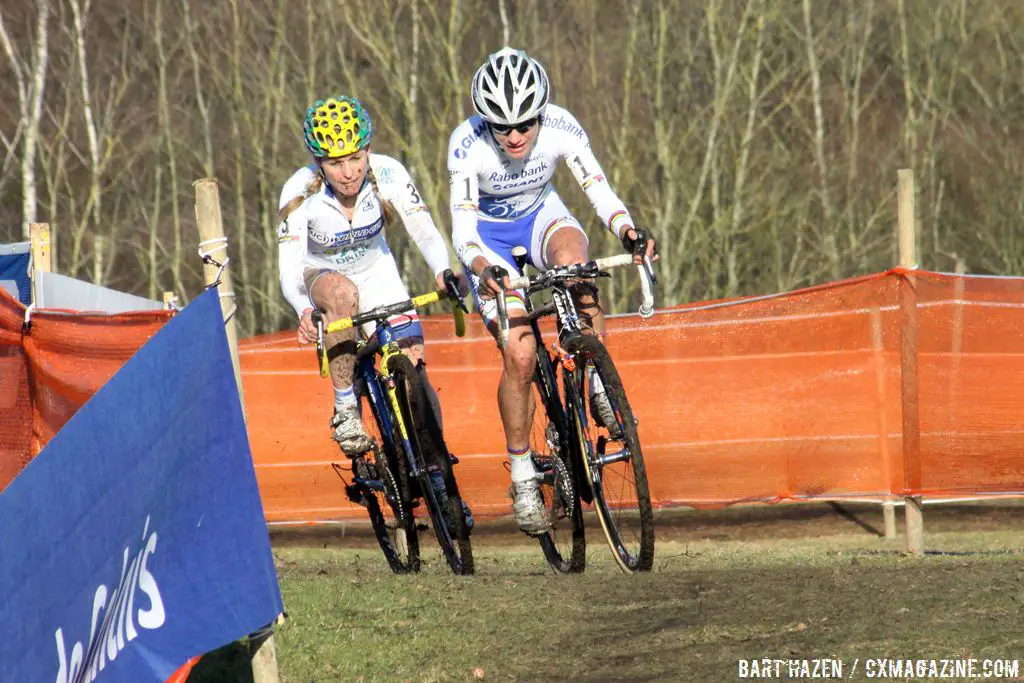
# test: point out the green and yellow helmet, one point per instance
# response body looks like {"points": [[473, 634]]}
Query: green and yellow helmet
{"points": [[336, 127]]}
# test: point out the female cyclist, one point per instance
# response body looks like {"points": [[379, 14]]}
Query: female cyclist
{"points": [[500, 165], [332, 250]]}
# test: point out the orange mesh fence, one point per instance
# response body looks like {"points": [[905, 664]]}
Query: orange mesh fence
{"points": [[15, 406], [890, 384], [49, 372], [72, 355], [801, 395], [970, 368]]}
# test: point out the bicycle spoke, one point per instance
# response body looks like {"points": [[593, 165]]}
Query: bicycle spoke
{"points": [[564, 545], [429, 451], [389, 508], [614, 462]]}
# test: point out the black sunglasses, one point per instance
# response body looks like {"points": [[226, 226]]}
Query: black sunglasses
{"points": [[522, 128]]}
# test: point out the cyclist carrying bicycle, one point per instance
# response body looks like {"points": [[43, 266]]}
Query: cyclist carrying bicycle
{"points": [[500, 165], [332, 250]]}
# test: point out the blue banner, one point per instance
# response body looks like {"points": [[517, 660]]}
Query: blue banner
{"points": [[14, 260], [136, 539]]}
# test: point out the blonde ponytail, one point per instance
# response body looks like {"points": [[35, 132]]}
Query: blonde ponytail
{"points": [[295, 202], [386, 207]]}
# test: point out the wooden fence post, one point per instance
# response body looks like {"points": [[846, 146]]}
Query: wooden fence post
{"points": [[41, 248], [211, 233], [213, 242], [913, 510]]}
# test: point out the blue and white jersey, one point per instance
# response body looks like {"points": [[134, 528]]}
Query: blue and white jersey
{"points": [[485, 184], [318, 234]]}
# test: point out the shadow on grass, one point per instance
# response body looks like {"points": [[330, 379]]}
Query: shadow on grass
{"points": [[229, 663], [850, 516]]}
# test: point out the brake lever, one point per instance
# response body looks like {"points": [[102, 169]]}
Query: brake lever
{"points": [[649, 269], [640, 249], [321, 355], [451, 284]]}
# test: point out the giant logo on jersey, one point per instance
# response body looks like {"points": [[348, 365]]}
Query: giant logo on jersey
{"points": [[462, 150]]}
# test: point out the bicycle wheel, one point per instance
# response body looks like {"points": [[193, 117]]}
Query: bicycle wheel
{"points": [[613, 460], [390, 508], [564, 545], [430, 453]]}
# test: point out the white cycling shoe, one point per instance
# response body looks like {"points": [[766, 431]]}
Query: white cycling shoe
{"points": [[348, 431], [528, 507]]}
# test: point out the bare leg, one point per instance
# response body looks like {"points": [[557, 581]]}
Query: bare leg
{"points": [[515, 395], [338, 297], [568, 246], [517, 405], [412, 347]]}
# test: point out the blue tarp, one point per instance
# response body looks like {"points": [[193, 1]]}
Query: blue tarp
{"points": [[136, 539], [14, 261]]}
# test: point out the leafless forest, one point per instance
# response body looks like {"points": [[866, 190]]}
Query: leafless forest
{"points": [[759, 139]]}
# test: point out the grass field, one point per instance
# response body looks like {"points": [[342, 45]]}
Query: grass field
{"points": [[785, 582]]}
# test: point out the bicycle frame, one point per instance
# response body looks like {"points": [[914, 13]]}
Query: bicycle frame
{"points": [[546, 373], [387, 346], [568, 326], [377, 394]]}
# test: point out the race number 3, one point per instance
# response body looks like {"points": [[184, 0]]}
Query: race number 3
{"points": [[415, 195]]}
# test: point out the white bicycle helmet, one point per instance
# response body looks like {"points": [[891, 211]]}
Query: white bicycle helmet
{"points": [[510, 88]]}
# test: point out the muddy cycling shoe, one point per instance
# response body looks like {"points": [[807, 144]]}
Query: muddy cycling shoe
{"points": [[528, 507], [603, 414], [348, 431]]}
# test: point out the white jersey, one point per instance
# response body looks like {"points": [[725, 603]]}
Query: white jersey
{"points": [[485, 184], [318, 235]]}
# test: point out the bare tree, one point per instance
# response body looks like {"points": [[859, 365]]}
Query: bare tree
{"points": [[30, 80]]}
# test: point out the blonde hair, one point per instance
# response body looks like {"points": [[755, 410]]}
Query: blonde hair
{"points": [[295, 202], [386, 207]]}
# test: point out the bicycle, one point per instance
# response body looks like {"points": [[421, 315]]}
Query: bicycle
{"points": [[411, 461], [579, 462]]}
